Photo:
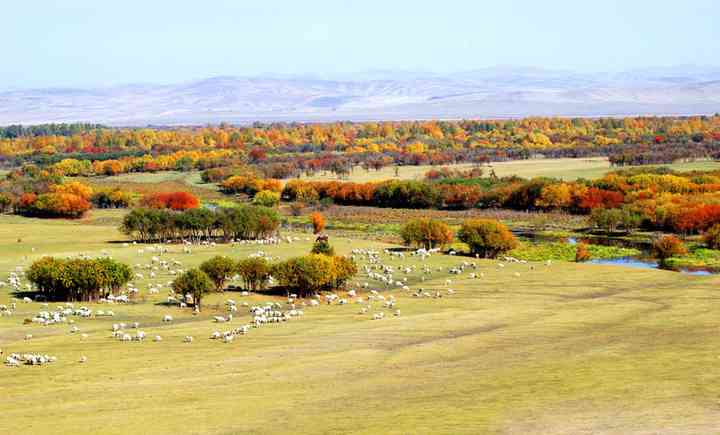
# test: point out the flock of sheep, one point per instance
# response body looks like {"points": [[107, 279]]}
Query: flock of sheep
{"points": [[377, 267]]}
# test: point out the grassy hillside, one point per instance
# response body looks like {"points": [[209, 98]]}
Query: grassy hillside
{"points": [[529, 348]]}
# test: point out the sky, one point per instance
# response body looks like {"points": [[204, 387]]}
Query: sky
{"points": [[83, 43]]}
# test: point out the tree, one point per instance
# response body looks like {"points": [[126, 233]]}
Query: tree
{"points": [[218, 269], [667, 246], [194, 282], [712, 237], [266, 198], [426, 233], [318, 222], [255, 273], [486, 237]]}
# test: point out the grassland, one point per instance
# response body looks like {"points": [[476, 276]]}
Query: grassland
{"points": [[566, 169], [565, 349]]}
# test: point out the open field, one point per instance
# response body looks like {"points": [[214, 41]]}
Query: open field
{"points": [[560, 349], [566, 169]]}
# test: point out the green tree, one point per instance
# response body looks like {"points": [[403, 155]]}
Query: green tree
{"points": [[255, 273], [196, 283], [218, 269], [426, 233], [486, 237]]}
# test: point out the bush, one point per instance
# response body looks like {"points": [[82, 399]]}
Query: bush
{"points": [[322, 246], [486, 237], [712, 237], [426, 233], [318, 222], [78, 279], [255, 273], [665, 247], [218, 269], [194, 282], [114, 198], [267, 198], [174, 200], [582, 253]]}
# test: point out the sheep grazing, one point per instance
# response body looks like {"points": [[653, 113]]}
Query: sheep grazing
{"points": [[379, 316], [188, 339], [28, 337], [83, 359], [167, 318], [157, 338], [397, 313]]}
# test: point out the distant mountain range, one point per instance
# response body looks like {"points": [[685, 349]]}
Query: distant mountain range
{"points": [[499, 92]]}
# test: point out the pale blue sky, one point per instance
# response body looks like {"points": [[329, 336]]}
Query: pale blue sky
{"points": [[93, 42]]}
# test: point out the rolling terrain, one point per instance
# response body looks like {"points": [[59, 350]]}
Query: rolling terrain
{"points": [[489, 93]]}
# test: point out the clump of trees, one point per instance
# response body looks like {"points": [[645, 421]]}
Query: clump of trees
{"points": [[487, 238], [194, 282], [314, 273], [78, 279], [246, 222], [426, 233]]}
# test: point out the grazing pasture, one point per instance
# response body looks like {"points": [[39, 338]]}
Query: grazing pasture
{"points": [[519, 348]]}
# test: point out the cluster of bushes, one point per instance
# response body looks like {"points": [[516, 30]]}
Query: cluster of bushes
{"points": [[95, 164], [111, 198], [249, 185], [70, 200], [78, 279], [31, 191], [171, 200], [245, 222]]}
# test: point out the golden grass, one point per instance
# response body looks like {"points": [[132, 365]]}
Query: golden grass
{"points": [[565, 349]]}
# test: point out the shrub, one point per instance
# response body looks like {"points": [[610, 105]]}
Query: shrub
{"points": [[114, 198], [318, 222], [486, 237], [322, 246], [296, 208], [218, 269], [174, 200], [667, 246], [426, 233], [712, 237], [267, 198], [194, 282], [255, 273], [582, 253]]}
